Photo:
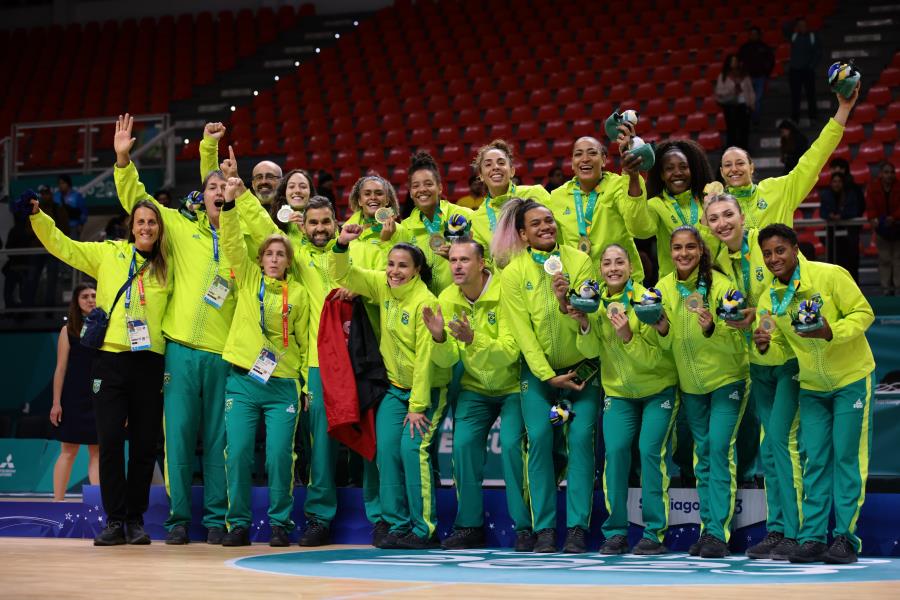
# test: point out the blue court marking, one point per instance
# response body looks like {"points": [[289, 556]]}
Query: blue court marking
{"points": [[506, 567]]}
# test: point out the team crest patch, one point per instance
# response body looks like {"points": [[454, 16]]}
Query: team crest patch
{"points": [[404, 318], [492, 317], [196, 236], [762, 204], [674, 220], [607, 402], [666, 404], [524, 386], [528, 286], [95, 386], [167, 377], [759, 274], [228, 404]]}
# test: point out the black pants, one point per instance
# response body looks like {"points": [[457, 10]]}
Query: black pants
{"points": [[737, 125], [806, 79], [127, 386]]}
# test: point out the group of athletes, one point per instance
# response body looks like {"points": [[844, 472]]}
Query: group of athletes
{"points": [[219, 306]]}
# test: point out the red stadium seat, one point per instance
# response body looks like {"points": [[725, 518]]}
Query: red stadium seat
{"points": [[656, 107], [495, 116], [555, 129], [673, 89], [398, 156], [539, 97], [562, 148], [697, 121], [893, 112], [842, 151], [372, 156], [458, 172], [473, 134], [710, 140], [468, 116], [520, 114], [864, 113], [574, 111], [548, 112], [447, 135], [618, 92], [666, 124], [861, 172], [395, 137], [416, 120], [879, 95], [420, 136], [890, 77], [853, 134], [501, 130], [701, 88], [871, 152], [542, 166], [453, 153], [566, 95], [884, 132], [646, 91]]}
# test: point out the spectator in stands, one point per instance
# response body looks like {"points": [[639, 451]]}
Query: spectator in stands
{"points": [[555, 178], [805, 51], [74, 203], [841, 202], [326, 186], [165, 198], [72, 413], [734, 93], [883, 203], [20, 272], [117, 227], [265, 181], [759, 60], [793, 144], [840, 165], [475, 196]]}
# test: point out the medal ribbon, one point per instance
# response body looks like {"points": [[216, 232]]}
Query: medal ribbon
{"points": [[492, 215], [780, 308], [685, 292], [433, 225], [284, 311], [140, 280], [695, 207], [373, 224], [541, 257], [584, 215], [627, 296]]}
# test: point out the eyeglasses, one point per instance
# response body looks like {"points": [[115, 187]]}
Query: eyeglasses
{"points": [[266, 177]]}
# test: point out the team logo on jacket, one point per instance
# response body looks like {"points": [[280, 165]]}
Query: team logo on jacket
{"points": [[666, 404], [524, 386], [607, 402], [96, 385], [759, 273], [228, 404], [528, 286], [404, 318], [568, 211], [492, 317], [196, 236], [858, 404], [674, 220], [735, 395], [291, 409], [762, 204], [167, 377]]}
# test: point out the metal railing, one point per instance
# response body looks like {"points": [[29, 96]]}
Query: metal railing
{"points": [[33, 281], [5, 164], [832, 230]]}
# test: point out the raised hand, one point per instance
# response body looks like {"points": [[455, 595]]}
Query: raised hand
{"points": [[845, 105], [214, 131], [389, 228], [578, 316], [234, 187], [461, 329], [349, 232], [705, 318], [229, 165], [434, 321], [35, 206], [560, 289], [122, 140], [622, 327]]}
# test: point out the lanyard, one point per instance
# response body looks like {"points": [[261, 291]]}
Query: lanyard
{"points": [[541, 257], [492, 216], [779, 308], [627, 295], [584, 215], [140, 280], [433, 225], [284, 311], [695, 207], [701, 289], [215, 236]]}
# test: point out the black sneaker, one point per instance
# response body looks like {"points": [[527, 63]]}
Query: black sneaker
{"points": [[575, 543], [841, 552], [112, 535], [135, 534], [464, 538], [784, 549], [524, 541], [379, 532], [279, 537], [617, 544], [411, 541], [239, 536], [177, 536], [694, 550], [316, 534], [215, 535], [765, 547], [809, 552], [546, 541], [391, 540], [648, 547], [713, 548]]}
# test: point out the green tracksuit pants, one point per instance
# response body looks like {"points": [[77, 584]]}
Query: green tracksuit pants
{"points": [[774, 393], [407, 484], [653, 418], [473, 416], [714, 419], [246, 400], [194, 401], [321, 493], [836, 431], [580, 434]]}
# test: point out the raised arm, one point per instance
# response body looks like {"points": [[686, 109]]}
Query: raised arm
{"points": [[84, 256], [359, 281], [209, 148], [232, 240]]}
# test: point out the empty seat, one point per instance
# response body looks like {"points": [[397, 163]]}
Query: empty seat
{"points": [[871, 151], [853, 133], [697, 121], [879, 95], [884, 132]]}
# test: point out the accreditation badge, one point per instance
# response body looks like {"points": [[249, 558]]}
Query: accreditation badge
{"points": [[218, 291], [264, 366], [138, 335]]}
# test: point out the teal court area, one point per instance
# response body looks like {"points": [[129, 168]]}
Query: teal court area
{"points": [[490, 566]]}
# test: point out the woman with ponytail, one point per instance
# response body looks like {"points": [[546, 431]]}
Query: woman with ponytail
{"points": [[711, 360], [535, 284], [411, 411]]}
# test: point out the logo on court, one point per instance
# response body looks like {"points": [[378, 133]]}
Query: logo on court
{"points": [[7, 467]]}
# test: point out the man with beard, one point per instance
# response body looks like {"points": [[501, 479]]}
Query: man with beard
{"points": [[266, 174]]}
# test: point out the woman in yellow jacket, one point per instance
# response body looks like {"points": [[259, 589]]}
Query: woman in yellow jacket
{"points": [[711, 359], [411, 412], [639, 381], [266, 347], [133, 286], [533, 297]]}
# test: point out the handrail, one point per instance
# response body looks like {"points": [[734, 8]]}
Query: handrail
{"points": [[6, 145], [165, 135]]}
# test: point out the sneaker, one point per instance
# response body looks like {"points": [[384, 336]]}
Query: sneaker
{"points": [[784, 549], [379, 532], [239, 536], [617, 544], [112, 535], [648, 547], [765, 547], [177, 536], [316, 534], [809, 552], [135, 534], [575, 543], [713, 548], [546, 541], [464, 538], [694, 550], [391, 540], [411, 541], [279, 537], [524, 541], [215, 535], [841, 552]]}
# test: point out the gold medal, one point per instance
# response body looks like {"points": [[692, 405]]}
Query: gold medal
{"points": [[383, 214], [694, 302], [766, 322], [584, 244], [436, 241], [553, 265], [614, 308], [713, 188]]}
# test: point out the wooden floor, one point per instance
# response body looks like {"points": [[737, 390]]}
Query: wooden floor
{"points": [[74, 569]]}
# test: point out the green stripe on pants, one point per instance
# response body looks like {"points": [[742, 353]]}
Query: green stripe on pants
{"points": [[277, 402], [194, 402], [836, 431], [714, 419], [654, 417]]}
